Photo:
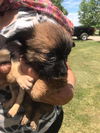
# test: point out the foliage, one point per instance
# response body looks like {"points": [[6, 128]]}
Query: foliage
{"points": [[58, 4], [89, 14]]}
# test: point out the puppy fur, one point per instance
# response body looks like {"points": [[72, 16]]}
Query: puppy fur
{"points": [[50, 48], [46, 49]]}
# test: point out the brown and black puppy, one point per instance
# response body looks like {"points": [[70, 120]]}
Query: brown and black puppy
{"points": [[50, 49], [45, 48]]}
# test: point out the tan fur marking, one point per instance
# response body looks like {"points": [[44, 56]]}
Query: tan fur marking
{"points": [[4, 55]]}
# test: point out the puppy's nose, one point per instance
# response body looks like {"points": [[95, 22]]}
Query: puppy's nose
{"points": [[62, 69], [63, 72]]}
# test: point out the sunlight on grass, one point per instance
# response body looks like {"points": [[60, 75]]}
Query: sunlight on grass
{"points": [[82, 114]]}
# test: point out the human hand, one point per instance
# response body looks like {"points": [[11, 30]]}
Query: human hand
{"points": [[5, 68], [42, 92]]}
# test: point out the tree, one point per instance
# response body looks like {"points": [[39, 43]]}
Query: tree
{"points": [[89, 13], [58, 4]]}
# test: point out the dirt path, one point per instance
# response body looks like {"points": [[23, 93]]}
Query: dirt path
{"points": [[95, 38]]}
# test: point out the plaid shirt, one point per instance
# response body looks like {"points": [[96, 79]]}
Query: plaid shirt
{"points": [[44, 6]]}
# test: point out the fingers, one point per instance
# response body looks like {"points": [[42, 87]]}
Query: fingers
{"points": [[5, 68]]}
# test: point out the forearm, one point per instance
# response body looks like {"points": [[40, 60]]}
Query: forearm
{"points": [[71, 77], [64, 94], [60, 97], [42, 92]]}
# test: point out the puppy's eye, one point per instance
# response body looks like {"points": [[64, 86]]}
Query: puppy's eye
{"points": [[51, 56], [53, 59]]}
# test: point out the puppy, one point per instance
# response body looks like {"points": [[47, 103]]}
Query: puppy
{"points": [[46, 49], [51, 46], [46, 46]]}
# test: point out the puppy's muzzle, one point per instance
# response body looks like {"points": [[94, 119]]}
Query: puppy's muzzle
{"points": [[61, 69]]}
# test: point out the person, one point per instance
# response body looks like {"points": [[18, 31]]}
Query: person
{"points": [[11, 14]]}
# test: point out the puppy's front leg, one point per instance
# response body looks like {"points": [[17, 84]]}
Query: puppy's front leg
{"points": [[35, 120], [13, 111], [24, 81]]}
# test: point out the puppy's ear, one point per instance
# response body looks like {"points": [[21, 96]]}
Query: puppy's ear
{"points": [[21, 35], [2, 39]]}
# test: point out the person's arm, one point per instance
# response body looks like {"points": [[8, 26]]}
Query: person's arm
{"points": [[71, 77], [58, 97]]}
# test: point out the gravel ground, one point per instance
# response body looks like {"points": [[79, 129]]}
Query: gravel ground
{"points": [[95, 38]]}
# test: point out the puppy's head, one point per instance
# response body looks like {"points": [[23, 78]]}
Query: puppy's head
{"points": [[48, 50], [47, 46]]}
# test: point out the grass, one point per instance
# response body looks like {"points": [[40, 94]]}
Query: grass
{"points": [[82, 114]]}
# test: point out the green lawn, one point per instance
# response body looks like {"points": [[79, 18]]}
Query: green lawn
{"points": [[82, 114]]}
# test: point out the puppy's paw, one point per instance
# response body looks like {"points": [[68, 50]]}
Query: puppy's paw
{"points": [[33, 125], [25, 120], [25, 82], [13, 111]]}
